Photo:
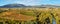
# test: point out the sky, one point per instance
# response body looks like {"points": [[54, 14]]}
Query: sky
{"points": [[30, 2]]}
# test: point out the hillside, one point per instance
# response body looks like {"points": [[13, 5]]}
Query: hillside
{"points": [[12, 6]]}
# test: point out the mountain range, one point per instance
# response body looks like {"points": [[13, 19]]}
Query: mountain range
{"points": [[12, 6], [22, 5]]}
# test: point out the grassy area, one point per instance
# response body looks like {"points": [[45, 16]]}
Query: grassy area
{"points": [[29, 15]]}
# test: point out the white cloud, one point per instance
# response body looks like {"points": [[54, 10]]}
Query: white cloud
{"points": [[28, 2]]}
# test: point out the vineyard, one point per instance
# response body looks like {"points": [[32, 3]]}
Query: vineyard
{"points": [[29, 15]]}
